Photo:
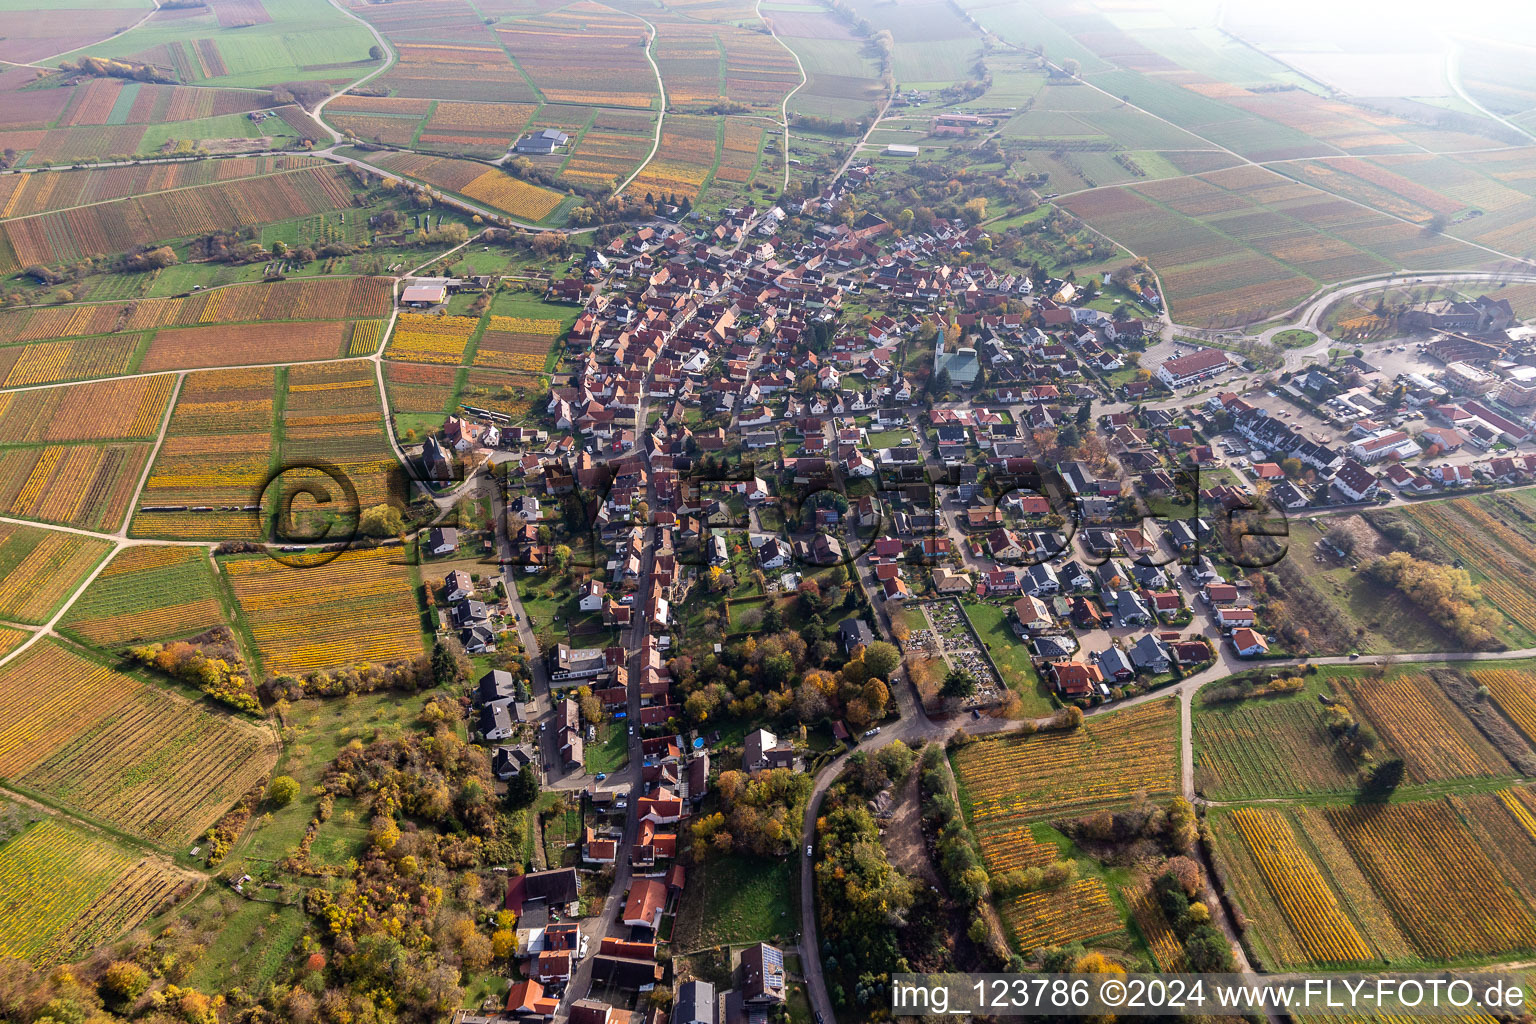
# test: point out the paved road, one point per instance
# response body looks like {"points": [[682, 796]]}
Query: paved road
{"points": [[384, 65], [915, 728]]}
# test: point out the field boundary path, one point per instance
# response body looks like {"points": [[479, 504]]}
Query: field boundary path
{"points": [[661, 89], [42, 62], [784, 106], [390, 57]]}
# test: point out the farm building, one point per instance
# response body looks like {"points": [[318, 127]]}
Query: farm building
{"points": [[541, 143], [896, 149], [422, 294]]}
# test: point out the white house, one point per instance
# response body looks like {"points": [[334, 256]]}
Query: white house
{"points": [[592, 593], [1189, 369], [1231, 617]]}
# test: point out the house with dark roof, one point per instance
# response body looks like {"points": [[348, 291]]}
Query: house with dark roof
{"points": [[508, 761], [634, 973], [495, 721], [497, 684], [853, 633], [1356, 482], [555, 888], [1115, 665], [1149, 654], [695, 1004], [762, 750], [760, 975], [442, 540]]}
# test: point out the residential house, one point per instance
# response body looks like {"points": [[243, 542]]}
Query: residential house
{"points": [[555, 889], [495, 722], [854, 633], [762, 750], [1149, 654], [1356, 482], [590, 595], [760, 976], [457, 586], [1114, 664], [508, 761], [442, 540], [647, 899], [1229, 618], [1032, 614], [526, 999], [1075, 679], [1248, 643], [694, 1004], [1189, 369]]}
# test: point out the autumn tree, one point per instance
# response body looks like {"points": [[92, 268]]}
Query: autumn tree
{"points": [[881, 659], [282, 790]]}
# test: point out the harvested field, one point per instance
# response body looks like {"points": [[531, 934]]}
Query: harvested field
{"points": [[420, 388], [196, 347], [527, 351]]}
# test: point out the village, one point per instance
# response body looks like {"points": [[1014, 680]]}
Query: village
{"points": [[881, 412]]}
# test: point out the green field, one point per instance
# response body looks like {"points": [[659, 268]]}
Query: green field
{"points": [[737, 899], [253, 941], [611, 751], [303, 41], [227, 126]]}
